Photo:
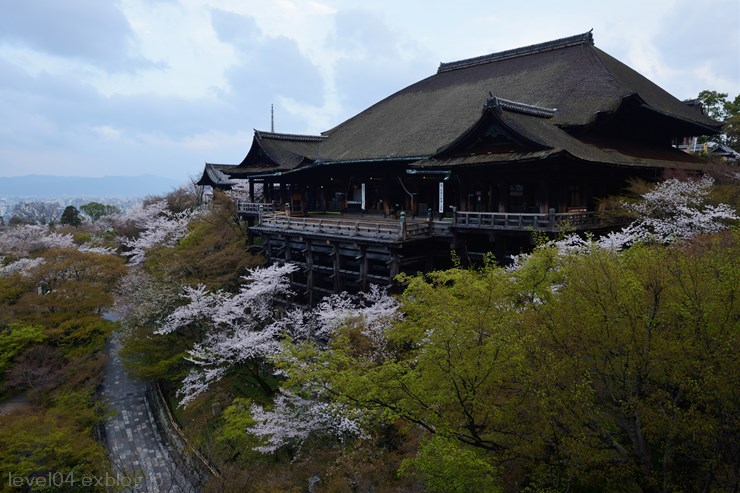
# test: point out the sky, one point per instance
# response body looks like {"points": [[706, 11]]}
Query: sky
{"points": [[132, 87]]}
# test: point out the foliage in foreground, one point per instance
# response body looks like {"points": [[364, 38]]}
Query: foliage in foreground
{"points": [[597, 371]]}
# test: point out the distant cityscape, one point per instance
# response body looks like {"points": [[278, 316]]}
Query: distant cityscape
{"points": [[10, 204], [62, 191]]}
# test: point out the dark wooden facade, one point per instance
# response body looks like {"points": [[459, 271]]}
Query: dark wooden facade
{"points": [[472, 158]]}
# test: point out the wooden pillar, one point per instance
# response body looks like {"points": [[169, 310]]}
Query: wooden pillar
{"points": [[337, 266], [283, 193], [362, 258], [309, 272], [387, 199], [268, 248], [395, 267], [251, 190], [287, 254]]}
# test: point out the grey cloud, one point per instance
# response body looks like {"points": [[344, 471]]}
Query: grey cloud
{"points": [[680, 28], [51, 121], [91, 30], [234, 28], [48, 111], [364, 80], [269, 67]]}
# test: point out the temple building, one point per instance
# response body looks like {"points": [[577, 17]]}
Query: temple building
{"points": [[473, 158]]}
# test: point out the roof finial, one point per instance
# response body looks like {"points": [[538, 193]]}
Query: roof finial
{"points": [[272, 118]]}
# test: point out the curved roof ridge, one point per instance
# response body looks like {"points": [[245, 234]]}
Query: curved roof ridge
{"points": [[579, 39], [497, 103], [281, 136]]}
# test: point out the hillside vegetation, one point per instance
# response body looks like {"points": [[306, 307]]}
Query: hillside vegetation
{"points": [[589, 364]]}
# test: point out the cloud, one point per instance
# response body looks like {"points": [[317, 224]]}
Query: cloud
{"points": [[373, 60], [233, 28], [270, 70], [697, 54], [79, 95], [90, 30]]}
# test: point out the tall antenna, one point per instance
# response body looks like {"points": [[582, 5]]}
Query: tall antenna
{"points": [[272, 118]]}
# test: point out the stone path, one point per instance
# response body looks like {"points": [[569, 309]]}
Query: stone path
{"points": [[135, 446], [16, 403]]}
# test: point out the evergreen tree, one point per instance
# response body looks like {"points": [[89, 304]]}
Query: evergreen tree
{"points": [[71, 216]]}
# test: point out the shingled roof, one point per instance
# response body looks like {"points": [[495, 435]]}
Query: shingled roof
{"points": [[270, 153], [569, 75], [552, 93]]}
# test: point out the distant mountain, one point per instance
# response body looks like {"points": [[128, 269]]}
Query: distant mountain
{"points": [[82, 186]]}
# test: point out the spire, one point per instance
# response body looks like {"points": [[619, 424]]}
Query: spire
{"points": [[272, 118]]}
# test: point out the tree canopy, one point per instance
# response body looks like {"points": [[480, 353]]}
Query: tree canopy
{"points": [[718, 106], [96, 210], [71, 216]]}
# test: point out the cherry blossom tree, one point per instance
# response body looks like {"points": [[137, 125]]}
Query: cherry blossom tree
{"points": [[22, 266], [38, 212], [293, 419], [23, 239], [672, 211], [240, 328], [248, 327], [310, 409], [240, 191], [157, 225], [675, 210]]}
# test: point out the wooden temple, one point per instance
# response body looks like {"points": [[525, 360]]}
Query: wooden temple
{"points": [[472, 159]]}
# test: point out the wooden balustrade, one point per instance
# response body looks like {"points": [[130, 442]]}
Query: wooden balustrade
{"points": [[522, 221], [403, 229], [368, 227], [253, 208]]}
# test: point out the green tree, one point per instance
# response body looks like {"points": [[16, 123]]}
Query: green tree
{"points": [[447, 466], [36, 445], [596, 371], [455, 368], [639, 372], [15, 338], [71, 216], [732, 123], [96, 210], [718, 107]]}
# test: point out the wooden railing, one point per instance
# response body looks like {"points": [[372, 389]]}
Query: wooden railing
{"points": [[367, 227], [403, 229], [516, 221], [253, 208]]}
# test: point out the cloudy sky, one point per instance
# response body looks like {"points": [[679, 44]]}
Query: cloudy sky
{"points": [[130, 87]]}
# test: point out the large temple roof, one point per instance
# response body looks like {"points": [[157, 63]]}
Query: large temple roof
{"points": [[558, 94], [570, 75]]}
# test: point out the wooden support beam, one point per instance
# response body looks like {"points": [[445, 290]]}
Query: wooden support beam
{"points": [[268, 248], [363, 268], [337, 268], [395, 265], [309, 273]]}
